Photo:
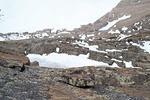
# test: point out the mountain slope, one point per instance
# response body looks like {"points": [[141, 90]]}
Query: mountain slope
{"points": [[137, 19], [127, 18], [120, 38]]}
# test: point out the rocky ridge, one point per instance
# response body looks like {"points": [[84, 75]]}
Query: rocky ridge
{"points": [[21, 79]]}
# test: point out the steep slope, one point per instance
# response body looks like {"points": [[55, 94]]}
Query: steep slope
{"points": [[128, 17]]}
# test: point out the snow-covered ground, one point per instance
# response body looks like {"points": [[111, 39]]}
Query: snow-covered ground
{"points": [[129, 64], [37, 34], [90, 47], [55, 60], [122, 36], [110, 24], [2, 39], [145, 45], [62, 60]]}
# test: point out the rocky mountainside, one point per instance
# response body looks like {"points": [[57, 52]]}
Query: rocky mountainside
{"points": [[45, 33], [120, 39], [128, 17], [87, 83]]}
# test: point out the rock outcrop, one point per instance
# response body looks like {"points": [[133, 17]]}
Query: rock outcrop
{"points": [[50, 84], [125, 44], [11, 58], [138, 20]]}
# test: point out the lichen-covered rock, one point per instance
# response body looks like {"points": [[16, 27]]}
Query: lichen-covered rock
{"points": [[35, 63], [79, 78], [10, 58], [41, 84]]}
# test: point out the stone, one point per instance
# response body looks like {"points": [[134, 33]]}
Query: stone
{"points": [[35, 63], [79, 78], [12, 59]]}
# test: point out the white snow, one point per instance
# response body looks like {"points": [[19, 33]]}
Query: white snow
{"points": [[139, 1], [112, 32], [113, 50], [64, 32], [72, 37], [2, 39], [21, 36], [25, 52], [90, 47], [120, 57], [110, 24], [55, 60], [95, 47], [137, 23], [145, 45], [18, 36], [128, 64], [90, 35], [124, 28], [116, 60], [83, 37], [114, 65], [57, 49], [129, 31], [122, 36], [44, 34]]}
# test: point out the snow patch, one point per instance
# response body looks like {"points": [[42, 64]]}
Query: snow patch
{"points": [[122, 36], [90, 47], [145, 45], [114, 65], [128, 64], [90, 35], [124, 28], [116, 60], [110, 24], [55, 60], [83, 37], [57, 49], [113, 50], [64, 32], [113, 32], [2, 39]]}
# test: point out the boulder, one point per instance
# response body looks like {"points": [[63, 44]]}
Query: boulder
{"points": [[12, 59], [142, 60], [35, 63], [79, 78]]}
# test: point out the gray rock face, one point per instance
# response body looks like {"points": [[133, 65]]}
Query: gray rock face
{"points": [[41, 84], [11, 59], [79, 78], [110, 52]]}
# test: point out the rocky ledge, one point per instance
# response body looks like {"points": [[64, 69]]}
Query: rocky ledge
{"points": [[11, 58], [86, 83], [21, 80]]}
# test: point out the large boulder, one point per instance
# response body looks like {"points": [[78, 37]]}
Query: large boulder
{"points": [[142, 60], [11, 58], [79, 78]]}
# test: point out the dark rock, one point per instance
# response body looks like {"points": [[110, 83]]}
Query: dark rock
{"points": [[35, 63], [79, 78]]}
